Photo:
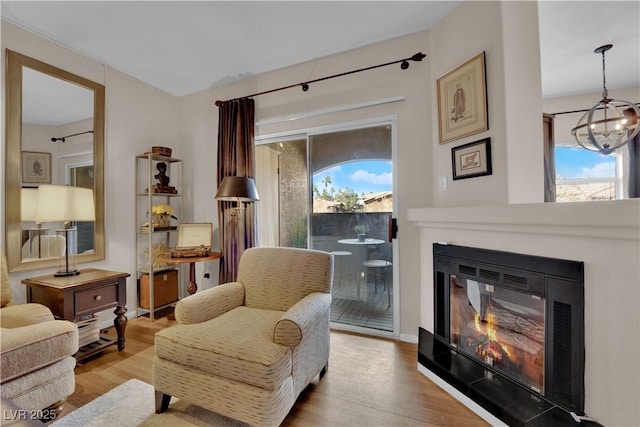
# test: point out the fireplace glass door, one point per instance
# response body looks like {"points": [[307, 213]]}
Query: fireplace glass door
{"points": [[503, 328]]}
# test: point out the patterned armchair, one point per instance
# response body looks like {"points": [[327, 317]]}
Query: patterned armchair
{"points": [[247, 349], [36, 353]]}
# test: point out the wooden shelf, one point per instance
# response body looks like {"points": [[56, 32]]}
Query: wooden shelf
{"points": [[94, 347]]}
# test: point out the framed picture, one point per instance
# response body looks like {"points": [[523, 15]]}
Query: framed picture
{"points": [[462, 100], [36, 167], [473, 159]]}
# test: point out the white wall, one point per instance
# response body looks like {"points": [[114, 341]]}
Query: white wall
{"points": [[138, 116]]}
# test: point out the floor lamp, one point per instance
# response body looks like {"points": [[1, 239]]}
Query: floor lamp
{"points": [[67, 204], [237, 189]]}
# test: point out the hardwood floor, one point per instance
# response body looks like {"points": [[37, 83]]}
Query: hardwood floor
{"points": [[370, 382]]}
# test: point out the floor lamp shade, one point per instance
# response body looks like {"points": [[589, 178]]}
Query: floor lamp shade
{"points": [[62, 203], [237, 189]]}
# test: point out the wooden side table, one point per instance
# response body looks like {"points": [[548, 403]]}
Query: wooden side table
{"points": [[192, 288], [87, 293]]}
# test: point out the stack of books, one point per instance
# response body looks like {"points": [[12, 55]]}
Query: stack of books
{"points": [[88, 330]]}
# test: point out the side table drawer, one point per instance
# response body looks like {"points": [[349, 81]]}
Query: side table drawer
{"points": [[96, 299]]}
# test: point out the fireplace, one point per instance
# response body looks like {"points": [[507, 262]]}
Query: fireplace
{"points": [[509, 332]]}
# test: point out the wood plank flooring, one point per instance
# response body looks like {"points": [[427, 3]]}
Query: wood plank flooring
{"points": [[370, 382]]}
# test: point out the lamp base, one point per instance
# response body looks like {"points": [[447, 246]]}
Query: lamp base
{"points": [[65, 273]]}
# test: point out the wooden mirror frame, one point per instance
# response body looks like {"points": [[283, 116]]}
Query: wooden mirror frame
{"points": [[13, 174]]}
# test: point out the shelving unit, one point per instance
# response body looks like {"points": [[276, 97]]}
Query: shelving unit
{"points": [[148, 194]]}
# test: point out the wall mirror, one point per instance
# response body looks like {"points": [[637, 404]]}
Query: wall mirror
{"points": [[54, 135]]}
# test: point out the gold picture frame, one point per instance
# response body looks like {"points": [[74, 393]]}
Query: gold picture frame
{"points": [[462, 100], [36, 167], [471, 160]]}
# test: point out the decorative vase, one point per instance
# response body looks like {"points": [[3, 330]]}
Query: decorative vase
{"points": [[361, 237], [163, 221]]}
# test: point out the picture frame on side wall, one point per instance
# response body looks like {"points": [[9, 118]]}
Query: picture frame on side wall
{"points": [[471, 160], [462, 100], [36, 167]]}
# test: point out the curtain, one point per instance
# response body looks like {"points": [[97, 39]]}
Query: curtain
{"points": [[549, 159], [236, 157], [634, 167]]}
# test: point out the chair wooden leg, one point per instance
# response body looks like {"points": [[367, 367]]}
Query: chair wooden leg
{"points": [[162, 402], [51, 412], [324, 370]]}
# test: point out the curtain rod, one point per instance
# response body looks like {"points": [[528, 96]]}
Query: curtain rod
{"points": [[62, 138], [305, 85], [637, 104]]}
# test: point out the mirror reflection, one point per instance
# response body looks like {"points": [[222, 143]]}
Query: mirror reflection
{"points": [[57, 145], [55, 137]]}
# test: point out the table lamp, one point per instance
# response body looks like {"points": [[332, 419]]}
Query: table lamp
{"points": [[28, 208], [66, 204]]}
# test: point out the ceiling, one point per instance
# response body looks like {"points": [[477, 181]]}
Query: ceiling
{"points": [[183, 47]]}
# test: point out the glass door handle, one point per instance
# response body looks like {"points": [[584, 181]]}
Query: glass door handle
{"points": [[393, 228]]}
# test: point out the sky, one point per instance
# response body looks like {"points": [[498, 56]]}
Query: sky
{"points": [[578, 162], [361, 176], [376, 176]]}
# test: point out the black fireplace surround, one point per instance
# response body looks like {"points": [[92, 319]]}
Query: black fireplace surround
{"points": [[560, 284]]}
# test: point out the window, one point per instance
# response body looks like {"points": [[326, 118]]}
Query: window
{"points": [[583, 175]]}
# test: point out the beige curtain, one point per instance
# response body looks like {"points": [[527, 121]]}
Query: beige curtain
{"points": [[236, 157]]}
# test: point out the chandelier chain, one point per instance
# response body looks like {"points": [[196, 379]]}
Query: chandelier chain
{"points": [[605, 93]]}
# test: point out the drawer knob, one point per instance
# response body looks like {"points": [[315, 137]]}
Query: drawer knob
{"points": [[97, 297]]}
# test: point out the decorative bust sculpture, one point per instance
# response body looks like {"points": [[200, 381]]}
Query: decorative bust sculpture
{"points": [[161, 176]]}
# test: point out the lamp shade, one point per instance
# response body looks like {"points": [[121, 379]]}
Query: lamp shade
{"points": [[28, 204], [65, 203], [237, 188]]}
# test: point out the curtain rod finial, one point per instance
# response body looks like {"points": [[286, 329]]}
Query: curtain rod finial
{"points": [[218, 103], [418, 56]]}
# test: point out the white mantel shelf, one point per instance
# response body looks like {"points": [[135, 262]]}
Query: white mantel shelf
{"points": [[619, 219]]}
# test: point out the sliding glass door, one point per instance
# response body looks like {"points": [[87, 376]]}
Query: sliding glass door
{"points": [[333, 191]]}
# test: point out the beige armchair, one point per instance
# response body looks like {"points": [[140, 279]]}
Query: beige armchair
{"points": [[36, 353], [247, 349]]}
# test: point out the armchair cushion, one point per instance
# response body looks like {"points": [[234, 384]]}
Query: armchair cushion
{"points": [[238, 346], [277, 278], [29, 348]]}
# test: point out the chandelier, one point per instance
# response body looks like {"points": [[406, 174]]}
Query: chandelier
{"points": [[610, 123]]}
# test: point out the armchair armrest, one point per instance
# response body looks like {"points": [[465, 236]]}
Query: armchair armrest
{"points": [[210, 303], [15, 316], [302, 318]]}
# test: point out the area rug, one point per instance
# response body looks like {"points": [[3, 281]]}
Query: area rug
{"points": [[132, 405]]}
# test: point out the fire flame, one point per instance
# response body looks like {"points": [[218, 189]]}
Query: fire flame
{"points": [[488, 350]]}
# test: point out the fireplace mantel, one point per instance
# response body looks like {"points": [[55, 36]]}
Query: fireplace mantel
{"points": [[618, 219], [605, 235]]}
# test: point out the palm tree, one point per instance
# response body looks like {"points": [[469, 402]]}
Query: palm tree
{"points": [[327, 181]]}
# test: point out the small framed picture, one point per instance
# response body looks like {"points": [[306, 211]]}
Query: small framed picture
{"points": [[462, 100], [36, 167], [471, 160]]}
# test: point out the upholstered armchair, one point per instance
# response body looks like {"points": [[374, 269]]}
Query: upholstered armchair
{"points": [[246, 349], [36, 353]]}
